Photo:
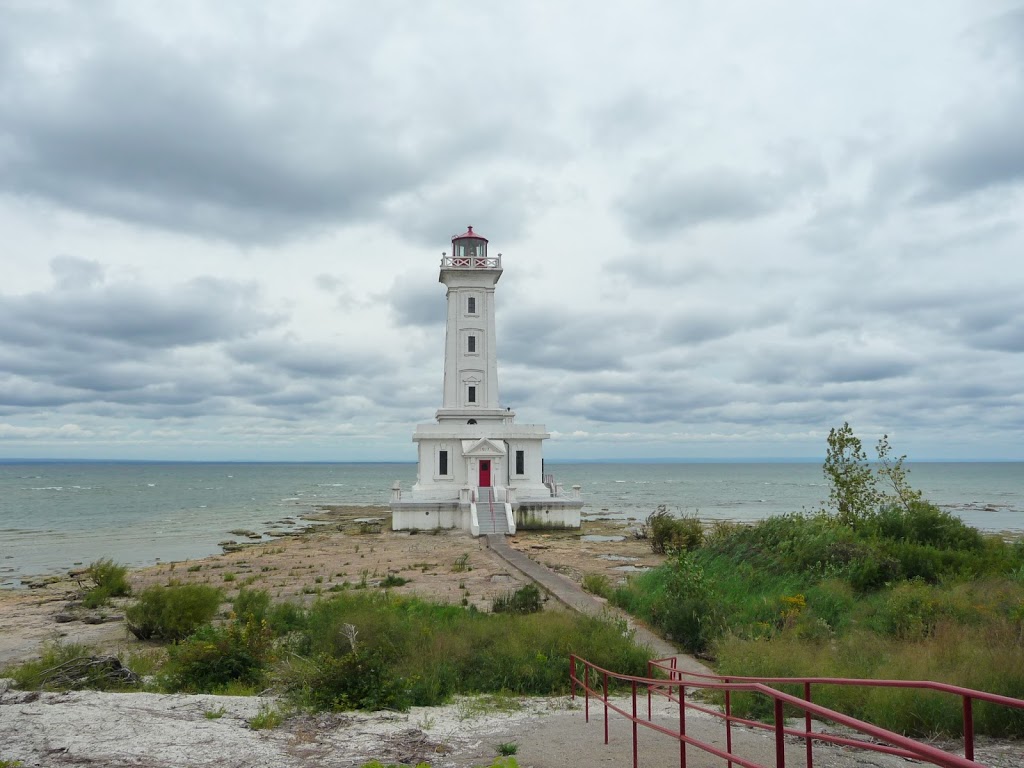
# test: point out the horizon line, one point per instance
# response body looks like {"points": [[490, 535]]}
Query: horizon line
{"points": [[602, 460]]}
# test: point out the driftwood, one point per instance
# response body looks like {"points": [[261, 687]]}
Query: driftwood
{"points": [[87, 672], [412, 747]]}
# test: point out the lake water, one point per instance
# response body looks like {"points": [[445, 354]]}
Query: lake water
{"points": [[54, 515]]}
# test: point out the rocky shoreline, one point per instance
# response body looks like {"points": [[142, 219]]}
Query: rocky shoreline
{"points": [[322, 552], [338, 545]]}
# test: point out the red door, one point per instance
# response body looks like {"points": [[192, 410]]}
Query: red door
{"points": [[485, 473]]}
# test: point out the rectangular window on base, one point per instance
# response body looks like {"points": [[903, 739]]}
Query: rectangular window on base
{"points": [[471, 395], [520, 462], [442, 462]]}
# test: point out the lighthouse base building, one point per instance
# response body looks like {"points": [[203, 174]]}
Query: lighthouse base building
{"points": [[477, 469]]}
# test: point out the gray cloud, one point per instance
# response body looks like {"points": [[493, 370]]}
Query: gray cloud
{"points": [[697, 324], [125, 315], [417, 302], [984, 153], [644, 269], [553, 338], [296, 358], [502, 201], [662, 202], [114, 347], [670, 197], [142, 130]]}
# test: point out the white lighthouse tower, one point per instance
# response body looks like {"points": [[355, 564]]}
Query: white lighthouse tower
{"points": [[478, 470]]}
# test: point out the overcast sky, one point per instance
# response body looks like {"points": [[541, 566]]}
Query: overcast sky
{"points": [[726, 226]]}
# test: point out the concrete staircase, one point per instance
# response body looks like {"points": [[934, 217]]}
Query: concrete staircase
{"points": [[496, 523]]}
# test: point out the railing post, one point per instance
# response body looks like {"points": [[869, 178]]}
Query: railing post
{"points": [[649, 692], [635, 759], [605, 707], [968, 728], [780, 735], [728, 722], [586, 692], [682, 726], [572, 676], [807, 726]]}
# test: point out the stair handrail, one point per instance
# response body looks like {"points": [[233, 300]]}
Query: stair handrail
{"points": [[968, 695], [674, 689]]}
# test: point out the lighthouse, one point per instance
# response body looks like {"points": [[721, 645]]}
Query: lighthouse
{"points": [[477, 469]]}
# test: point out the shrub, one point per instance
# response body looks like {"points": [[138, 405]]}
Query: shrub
{"points": [[286, 617], [213, 657], [251, 605], [524, 600], [108, 575], [597, 584], [789, 544], [96, 597], [669, 534], [109, 580], [359, 679], [831, 601], [923, 523], [172, 613], [686, 607]]}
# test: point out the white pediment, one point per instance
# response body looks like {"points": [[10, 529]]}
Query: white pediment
{"points": [[483, 448]]}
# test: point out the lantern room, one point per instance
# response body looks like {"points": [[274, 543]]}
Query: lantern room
{"points": [[469, 245]]}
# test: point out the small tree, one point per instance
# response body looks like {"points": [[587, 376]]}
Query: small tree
{"points": [[896, 476], [852, 492]]}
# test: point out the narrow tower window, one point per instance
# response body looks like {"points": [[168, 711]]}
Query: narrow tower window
{"points": [[471, 305], [442, 462], [471, 395], [520, 462], [471, 343]]}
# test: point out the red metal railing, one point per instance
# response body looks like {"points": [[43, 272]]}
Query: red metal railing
{"points": [[674, 689]]}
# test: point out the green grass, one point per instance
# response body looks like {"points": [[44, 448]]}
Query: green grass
{"points": [[597, 584], [906, 594], [986, 658], [526, 599], [267, 718], [359, 650], [407, 652]]}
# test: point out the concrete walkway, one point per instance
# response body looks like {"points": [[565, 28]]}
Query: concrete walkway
{"points": [[584, 742], [570, 593]]}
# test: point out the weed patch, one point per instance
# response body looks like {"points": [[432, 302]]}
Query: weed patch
{"points": [[524, 600], [109, 580]]}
